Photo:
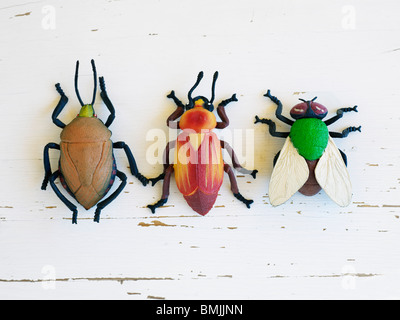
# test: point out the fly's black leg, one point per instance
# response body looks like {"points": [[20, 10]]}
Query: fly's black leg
{"points": [[234, 186], [132, 162], [276, 158], [68, 203], [46, 162], [101, 205], [272, 128], [60, 106], [107, 102], [165, 192], [345, 132], [221, 112], [279, 108], [344, 157], [235, 161], [339, 114]]}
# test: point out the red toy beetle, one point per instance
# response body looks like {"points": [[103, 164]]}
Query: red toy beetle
{"points": [[199, 166]]}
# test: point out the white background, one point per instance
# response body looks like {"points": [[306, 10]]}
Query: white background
{"points": [[345, 52]]}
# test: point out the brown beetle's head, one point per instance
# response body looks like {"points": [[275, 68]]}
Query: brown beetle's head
{"points": [[87, 110]]}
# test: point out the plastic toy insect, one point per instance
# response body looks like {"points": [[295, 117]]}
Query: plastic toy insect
{"points": [[309, 159], [198, 165], [87, 167]]}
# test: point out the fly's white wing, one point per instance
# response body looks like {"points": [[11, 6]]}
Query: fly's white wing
{"points": [[289, 174], [332, 175]]}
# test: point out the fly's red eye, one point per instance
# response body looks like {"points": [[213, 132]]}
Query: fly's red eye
{"points": [[298, 110], [318, 109]]}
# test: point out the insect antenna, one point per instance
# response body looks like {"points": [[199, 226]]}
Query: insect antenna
{"points": [[199, 77], [95, 81], [213, 87], [76, 83], [313, 99]]}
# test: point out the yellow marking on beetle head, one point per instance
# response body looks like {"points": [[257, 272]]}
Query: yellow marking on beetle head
{"points": [[87, 111], [199, 103]]}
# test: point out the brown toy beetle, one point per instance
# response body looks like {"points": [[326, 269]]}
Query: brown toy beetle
{"points": [[87, 167]]}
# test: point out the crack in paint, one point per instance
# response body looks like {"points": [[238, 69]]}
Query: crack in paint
{"points": [[156, 223], [360, 275], [23, 14], [121, 280]]}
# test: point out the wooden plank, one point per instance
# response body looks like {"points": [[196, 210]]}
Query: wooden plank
{"points": [[343, 52]]}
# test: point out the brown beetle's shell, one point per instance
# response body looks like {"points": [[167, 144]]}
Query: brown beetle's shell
{"points": [[86, 160]]}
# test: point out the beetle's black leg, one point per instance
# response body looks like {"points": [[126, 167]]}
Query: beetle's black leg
{"points": [[272, 128], [221, 112], [177, 113], [68, 203], [345, 132], [60, 106], [102, 204], [225, 102], [279, 108], [165, 192], [107, 102], [235, 161], [170, 145], [234, 186], [46, 162], [178, 102], [339, 114], [132, 162], [156, 179]]}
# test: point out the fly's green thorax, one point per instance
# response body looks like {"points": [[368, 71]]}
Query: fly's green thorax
{"points": [[87, 111], [310, 137]]}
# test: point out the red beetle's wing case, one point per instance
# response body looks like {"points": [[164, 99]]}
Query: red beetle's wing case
{"points": [[185, 165], [199, 169], [86, 160], [210, 170]]}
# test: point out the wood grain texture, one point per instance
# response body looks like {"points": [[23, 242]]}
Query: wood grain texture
{"points": [[345, 52]]}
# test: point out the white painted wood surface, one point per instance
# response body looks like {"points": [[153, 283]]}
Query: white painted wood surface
{"points": [[345, 52]]}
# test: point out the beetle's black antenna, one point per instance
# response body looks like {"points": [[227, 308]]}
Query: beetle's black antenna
{"points": [[302, 100], [199, 77], [76, 83], [313, 99], [95, 81], [213, 87]]}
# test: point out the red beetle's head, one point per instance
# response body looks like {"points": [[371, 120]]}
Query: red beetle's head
{"points": [[198, 118], [198, 114], [308, 109]]}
